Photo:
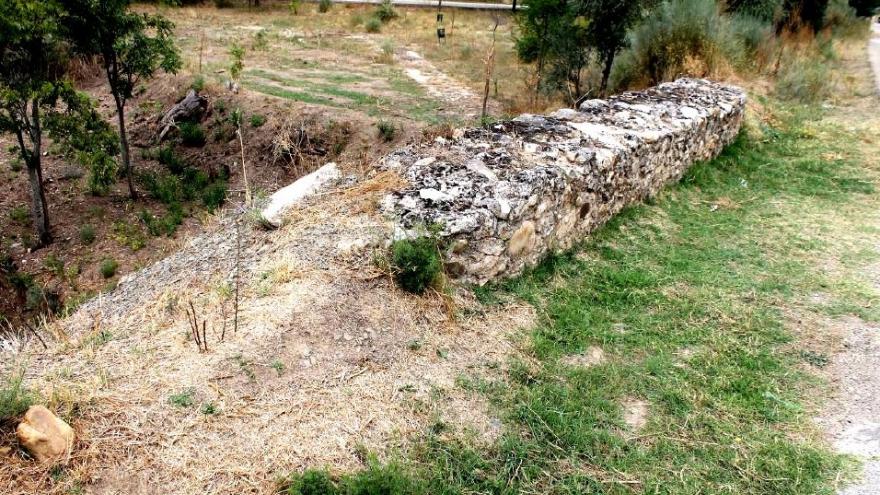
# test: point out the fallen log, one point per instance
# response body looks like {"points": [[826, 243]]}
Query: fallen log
{"points": [[191, 108]]}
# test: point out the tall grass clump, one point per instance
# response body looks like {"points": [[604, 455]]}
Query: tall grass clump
{"points": [[681, 37], [804, 78], [15, 398]]}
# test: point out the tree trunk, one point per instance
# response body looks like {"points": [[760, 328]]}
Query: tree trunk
{"points": [[606, 73], [123, 146], [39, 207]]}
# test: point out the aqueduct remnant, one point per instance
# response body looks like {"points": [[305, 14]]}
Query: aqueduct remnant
{"points": [[505, 196]]}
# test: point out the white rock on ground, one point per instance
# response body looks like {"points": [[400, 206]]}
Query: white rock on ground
{"points": [[292, 194]]}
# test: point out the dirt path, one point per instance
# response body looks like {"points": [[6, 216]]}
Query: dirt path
{"points": [[852, 414], [874, 52]]}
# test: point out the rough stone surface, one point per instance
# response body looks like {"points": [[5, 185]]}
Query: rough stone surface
{"points": [[47, 437], [507, 195]]}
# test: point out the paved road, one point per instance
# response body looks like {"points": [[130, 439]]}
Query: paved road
{"points": [[433, 4], [874, 52]]}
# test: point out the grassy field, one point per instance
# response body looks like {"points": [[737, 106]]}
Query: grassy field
{"points": [[668, 358]]}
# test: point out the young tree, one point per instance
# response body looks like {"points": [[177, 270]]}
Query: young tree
{"points": [[133, 47], [610, 20], [552, 34], [31, 84]]}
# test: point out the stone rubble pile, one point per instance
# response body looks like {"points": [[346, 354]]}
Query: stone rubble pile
{"points": [[505, 196]]}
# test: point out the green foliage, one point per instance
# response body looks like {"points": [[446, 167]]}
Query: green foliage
{"points": [[803, 13], [32, 83], [223, 4], [185, 398], [311, 482], [390, 479], [19, 214], [842, 18], [416, 263], [387, 130], [166, 156], [678, 31], [257, 120], [236, 61], [166, 224], [372, 25], [191, 134], [108, 267], [54, 264], [293, 6], [134, 45], [385, 12], [209, 409], [324, 6], [214, 195], [261, 41], [765, 10], [15, 398], [87, 234], [198, 83], [88, 139]]}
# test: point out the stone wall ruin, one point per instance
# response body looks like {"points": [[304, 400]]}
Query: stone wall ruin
{"points": [[506, 195]]}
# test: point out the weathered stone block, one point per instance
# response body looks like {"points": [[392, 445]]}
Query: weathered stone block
{"points": [[507, 195]]}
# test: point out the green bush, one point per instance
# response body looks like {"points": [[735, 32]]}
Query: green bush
{"points": [[385, 11], [373, 25], [166, 224], [387, 130], [167, 157], [54, 264], [312, 482], [261, 41], [765, 10], [753, 34], [198, 83], [416, 263], [109, 267], [87, 234], [163, 187], [192, 134], [324, 6], [103, 171], [374, 480], [678, 32], [15, 398], [214, 195], [257, 120]]}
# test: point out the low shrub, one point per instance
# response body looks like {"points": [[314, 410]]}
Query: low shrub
{"points": [[54, 264], [372, 25], [163, 187], [192, 134], [324, 6], [19, 214], [214, 195], [15, 398], [261, 41], [416, 263], [198, 83], [257, 120], [387, 130], [103, 171], [109, 267], [167, 157], [385, 12], [680, 37], [87, 234]]}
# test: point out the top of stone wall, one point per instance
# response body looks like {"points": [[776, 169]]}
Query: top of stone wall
{"points": [[484, 182]]}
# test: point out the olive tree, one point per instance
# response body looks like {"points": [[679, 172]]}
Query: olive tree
{"points": [[133, 47], [31, 85]]}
